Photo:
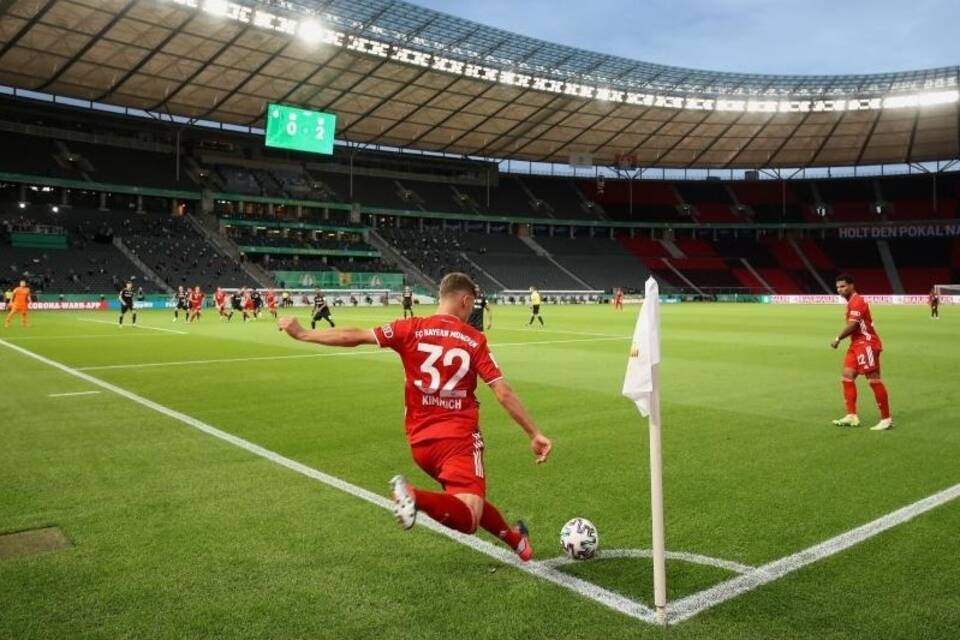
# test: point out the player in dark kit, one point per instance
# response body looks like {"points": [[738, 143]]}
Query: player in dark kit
{"points": [[480, 307], [126, 303], [934, 300], [236, 303], [321, 310], [407, 300], [443, 357], [257, 302], [180, 299]]}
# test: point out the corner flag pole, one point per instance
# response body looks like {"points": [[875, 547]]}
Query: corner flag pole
{"points": [[641, 384]]}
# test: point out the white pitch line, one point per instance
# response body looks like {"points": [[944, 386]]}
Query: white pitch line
{"points": [[337, 354], [581, 587], [75, 393], [135, 326], [690, 606], [683, 556]]}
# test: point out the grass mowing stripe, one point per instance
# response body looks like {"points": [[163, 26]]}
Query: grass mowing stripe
{"points": [[690, 606], [586, 589], [358, 352]]}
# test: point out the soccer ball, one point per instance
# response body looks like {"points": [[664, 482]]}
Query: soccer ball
{"points": [[579, 539]]}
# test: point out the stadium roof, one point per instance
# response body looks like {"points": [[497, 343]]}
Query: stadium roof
{"points": [[402, 75]]}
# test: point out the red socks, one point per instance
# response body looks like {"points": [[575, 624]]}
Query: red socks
{"points": [[883, 400], [492, 521], [850, 395], [879, 392], [445, 509], [451, 512]]}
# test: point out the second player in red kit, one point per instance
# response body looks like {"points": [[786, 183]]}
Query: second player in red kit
{"points": [[862, 357], [443, 357]]}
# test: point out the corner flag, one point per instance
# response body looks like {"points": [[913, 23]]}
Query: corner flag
{"points": [[641, 384]]}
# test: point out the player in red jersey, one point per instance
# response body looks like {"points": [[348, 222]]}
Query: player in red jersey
{"points": [[863, 356], [196, 304], [249, 309], [618, 299], [220, 300], [934, 301], [442, 357], [272, 302]]}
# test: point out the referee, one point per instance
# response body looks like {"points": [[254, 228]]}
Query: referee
{"points": [[126, 303], [535, 306]]}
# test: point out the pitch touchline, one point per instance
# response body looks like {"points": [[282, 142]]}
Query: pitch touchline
{"points": [[586, 589], [336, 354]]}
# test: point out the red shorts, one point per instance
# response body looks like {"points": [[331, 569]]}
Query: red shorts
{"points": [[456, 463], [863, 357]]}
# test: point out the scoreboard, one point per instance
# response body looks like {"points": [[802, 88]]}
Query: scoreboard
{"points": [[299, 129]]}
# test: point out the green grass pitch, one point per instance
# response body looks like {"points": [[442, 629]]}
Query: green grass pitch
{"points": [[180, 535]]}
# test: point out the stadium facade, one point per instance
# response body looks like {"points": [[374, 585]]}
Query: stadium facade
{"points": [[397, 74]]}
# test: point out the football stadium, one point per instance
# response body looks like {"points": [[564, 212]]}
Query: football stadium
{"points": [[601, 335]]}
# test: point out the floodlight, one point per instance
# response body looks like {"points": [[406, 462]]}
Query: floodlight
{"points": [[22, 205], [311, 31], [216, 7]]}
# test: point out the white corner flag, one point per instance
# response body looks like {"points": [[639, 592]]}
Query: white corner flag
{"points": [[641, 385]]}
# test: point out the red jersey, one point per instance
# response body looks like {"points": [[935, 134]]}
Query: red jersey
{"points": [[859, 311], [271, 299], [196, 299], [442, 358], [220, 298]]}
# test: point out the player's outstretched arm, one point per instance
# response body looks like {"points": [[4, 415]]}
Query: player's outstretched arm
{"points": [[510, 401], [330, 337], [848, 330]]}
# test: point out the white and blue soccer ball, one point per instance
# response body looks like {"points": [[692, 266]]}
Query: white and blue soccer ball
{"points": [[579, 539]]}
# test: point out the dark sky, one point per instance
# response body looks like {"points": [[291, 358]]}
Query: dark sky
{"points": [[762, 36]]}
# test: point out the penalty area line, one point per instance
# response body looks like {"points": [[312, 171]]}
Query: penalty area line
{"points": [[598, 594]]}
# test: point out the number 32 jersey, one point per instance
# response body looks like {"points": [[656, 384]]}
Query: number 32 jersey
{"points": [[442, 358]]}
